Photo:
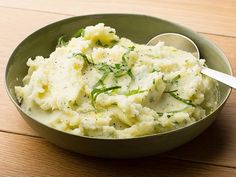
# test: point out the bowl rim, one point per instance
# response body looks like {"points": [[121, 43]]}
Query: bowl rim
{"points": [[224, 57]]}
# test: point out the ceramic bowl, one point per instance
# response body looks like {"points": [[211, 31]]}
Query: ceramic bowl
{"points": [[140, 29]]}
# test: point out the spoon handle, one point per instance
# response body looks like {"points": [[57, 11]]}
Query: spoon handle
{"points": [[219, 76]]}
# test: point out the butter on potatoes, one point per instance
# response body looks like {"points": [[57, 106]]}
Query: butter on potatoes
{"points": [[100, 85]]}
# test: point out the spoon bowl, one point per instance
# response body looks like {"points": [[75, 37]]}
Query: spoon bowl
{"points": [[178, 41], [182, 42]]}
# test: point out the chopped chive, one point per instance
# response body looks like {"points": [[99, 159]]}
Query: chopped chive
{"points": [[114, 41], [119, 74], [95, 92], [131, 48], [171, 112], [84, 57], [189, 102], [129, 72], [170, 91], [124, 61], [101, 80], [175, 79], [118, 70], [133, 92], [79, 33], [104, 67], [155, 70], [61, 42], [99, 43], [125, 55]]}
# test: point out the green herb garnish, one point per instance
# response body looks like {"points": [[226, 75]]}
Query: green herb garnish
{"points": [[125, 64], [170, 91], [79, 33], [133, 92], [84, 57], [114, 42], [95, 92], [171, 112], [101, 80], [61, 42], [189, 102], [175, 79], [119, 70], [129, 72], [105, 69], [99, 43], [125, 56], [155, 70]]}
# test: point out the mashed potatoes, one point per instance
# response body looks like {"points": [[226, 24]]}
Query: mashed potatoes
{"points": [[100, 85]]}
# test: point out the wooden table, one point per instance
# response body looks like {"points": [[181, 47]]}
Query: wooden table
{"points": [[24, 153]]}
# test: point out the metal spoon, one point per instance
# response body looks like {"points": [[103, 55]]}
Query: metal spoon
{"points": [[184, 43]]}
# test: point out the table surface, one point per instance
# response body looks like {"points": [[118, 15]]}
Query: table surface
{"points": [[24, 153]]}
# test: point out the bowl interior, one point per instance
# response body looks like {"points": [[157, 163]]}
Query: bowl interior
{"points": [[138, 28]]}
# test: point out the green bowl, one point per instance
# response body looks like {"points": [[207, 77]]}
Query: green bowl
{"points": [[140, 29]]}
